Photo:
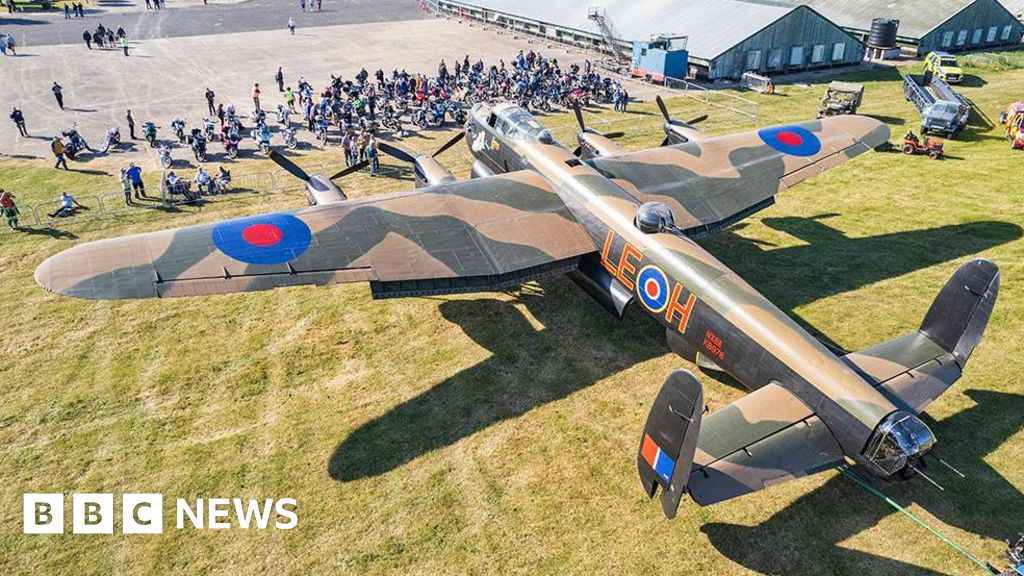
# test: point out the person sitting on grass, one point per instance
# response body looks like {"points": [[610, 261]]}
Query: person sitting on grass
{"points": [[203, 181], [68, 206], [9, 209]]}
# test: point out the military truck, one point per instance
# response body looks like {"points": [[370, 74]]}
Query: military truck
{"points": [[841, 98], [943, 111]]}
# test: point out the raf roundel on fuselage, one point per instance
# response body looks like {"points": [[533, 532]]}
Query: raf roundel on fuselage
{"points": [[267, 239], [792, 140]]}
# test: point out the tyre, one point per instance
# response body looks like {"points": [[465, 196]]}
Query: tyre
{"points": [[934, 155], [293, 144], [908, 149], [166, 163], [233, 152]]}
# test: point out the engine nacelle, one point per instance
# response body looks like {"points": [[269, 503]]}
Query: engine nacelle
{"points": [[596, 281], [481, 170], [593, 145], [430, 172], [677, 132], [320, 190]]}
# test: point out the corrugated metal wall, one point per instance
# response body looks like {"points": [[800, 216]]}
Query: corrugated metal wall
{"points": [[982, 25], [801, 40]]}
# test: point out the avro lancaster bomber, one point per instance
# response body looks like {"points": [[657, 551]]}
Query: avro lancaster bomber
{"points": [[625, 227]]}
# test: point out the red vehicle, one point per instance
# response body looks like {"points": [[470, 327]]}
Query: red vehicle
{"points": [[931, 146]]}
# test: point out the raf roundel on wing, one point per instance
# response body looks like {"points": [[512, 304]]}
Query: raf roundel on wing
{"points": [[267, 239], [792, 140]]}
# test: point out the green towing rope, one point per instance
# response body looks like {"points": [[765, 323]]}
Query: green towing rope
{"points": [[849, 473]]}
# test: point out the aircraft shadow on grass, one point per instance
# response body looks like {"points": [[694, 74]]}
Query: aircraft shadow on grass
{"points": [[794, 541]]}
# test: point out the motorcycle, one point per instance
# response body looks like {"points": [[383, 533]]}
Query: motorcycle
{"points": [[290, 140], [112, 139], [198, 145], [210, 129], [261, 134], [419, 117], [164, 155], [75, 143], [178, 126], [231, 140], [457, 112], [320, 130], [283, 115], [149, 133]]}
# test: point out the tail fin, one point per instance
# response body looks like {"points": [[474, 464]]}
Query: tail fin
{"points": [[917, 368], [669, 441], [960, 313]]}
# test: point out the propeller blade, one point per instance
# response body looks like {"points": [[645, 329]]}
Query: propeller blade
{"points": [[450, 143], [396, 153], [289, 166], [577, 151], [351, 169], [614, 135], [698, 119], [579, 117], [663, 108]]}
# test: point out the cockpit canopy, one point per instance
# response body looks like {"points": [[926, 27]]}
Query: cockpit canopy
{"points": [[899, 441], [515, 123]]}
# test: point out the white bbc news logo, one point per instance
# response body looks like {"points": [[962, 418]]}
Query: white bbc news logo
{"points": [[144, 513]]}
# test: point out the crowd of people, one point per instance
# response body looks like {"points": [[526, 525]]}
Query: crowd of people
{"points": [[351, 111], [106, 38]]}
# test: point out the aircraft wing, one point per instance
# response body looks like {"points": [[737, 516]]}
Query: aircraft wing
{"points": [[476, 235], [712, 183], [765, 438]]}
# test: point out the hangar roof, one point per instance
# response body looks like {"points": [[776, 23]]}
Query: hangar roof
{"points": [[713, 26], [917, 18]]}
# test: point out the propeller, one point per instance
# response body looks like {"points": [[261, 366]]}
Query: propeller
{"points": [[397, 153], [404, 156], [351, 169], [289, 166], [450, 143], [583, 127], [670, 119]]}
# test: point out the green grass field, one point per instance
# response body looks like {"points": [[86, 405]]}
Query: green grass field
{"points": [[497, 433]]}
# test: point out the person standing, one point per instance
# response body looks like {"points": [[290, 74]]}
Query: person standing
{"points": [[289, 98], [149, 5], [11, 45], [256, 96], [220, 113], [124, 45], [87, 37], [19, 120], [58, 152], [58, 93], [279, 77], [291, 25], [319, 5], [131, 124], [126, 186], [67, 12], [209, 101], [134, 174], [9, 209], [302, 4]]}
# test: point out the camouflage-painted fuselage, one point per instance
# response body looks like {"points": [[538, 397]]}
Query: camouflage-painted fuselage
{"points": [[706, 308]]}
